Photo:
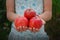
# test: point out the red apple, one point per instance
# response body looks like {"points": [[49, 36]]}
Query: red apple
{"points": [[21, 21], [35, 22], [29, 13]]}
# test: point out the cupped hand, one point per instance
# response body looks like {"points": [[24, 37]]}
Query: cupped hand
{"points": [[21, 24], [21, 28], [35, 24]]}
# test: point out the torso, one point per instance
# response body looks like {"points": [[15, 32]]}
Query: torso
{"points": [[22, 5]]}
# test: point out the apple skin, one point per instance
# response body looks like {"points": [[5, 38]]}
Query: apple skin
{"points": [[35, 22], [29, 13], [21, 21]]}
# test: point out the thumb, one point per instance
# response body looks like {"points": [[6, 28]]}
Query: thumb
{"points": [[43, 22]]}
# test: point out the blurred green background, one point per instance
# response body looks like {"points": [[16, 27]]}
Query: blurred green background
{"points": [[52, 27]]}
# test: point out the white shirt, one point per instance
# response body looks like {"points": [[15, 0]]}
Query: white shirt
{"points": [[22, 5]]}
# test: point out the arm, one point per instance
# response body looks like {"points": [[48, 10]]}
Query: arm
{"points": [[47, 14], [10, 10]]}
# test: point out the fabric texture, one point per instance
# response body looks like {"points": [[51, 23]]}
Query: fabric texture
{"points": [[20, 7]]}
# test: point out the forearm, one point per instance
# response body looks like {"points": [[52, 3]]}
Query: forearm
{"points": [[47, 15], [11, 16]]}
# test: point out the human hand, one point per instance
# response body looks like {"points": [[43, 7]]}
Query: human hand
{"points": [[21, 24], [35, 24]]}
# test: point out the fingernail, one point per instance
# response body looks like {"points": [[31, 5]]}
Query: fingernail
{"points": [[23, 26], [33, 28], [26, 27], [17, 27], [20, 26], [30, 28]]}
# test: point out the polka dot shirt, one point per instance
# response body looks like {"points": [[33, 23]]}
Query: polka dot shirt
{"points": [[22, 5]]}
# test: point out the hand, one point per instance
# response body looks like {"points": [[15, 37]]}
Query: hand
{"points": [[33, 29], [21, 24], [21, 28], [44, 22], [35, 24]]}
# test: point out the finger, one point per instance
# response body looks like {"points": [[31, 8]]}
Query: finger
{"points": [[24, 28], [30, 28], [17, 28], [37, 29], [34, 30], [20, 29], [37, 17], [43, 21]]}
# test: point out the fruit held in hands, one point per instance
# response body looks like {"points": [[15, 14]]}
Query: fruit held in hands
{"points": [[21, 21], [29, 13], [35, 22]]}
